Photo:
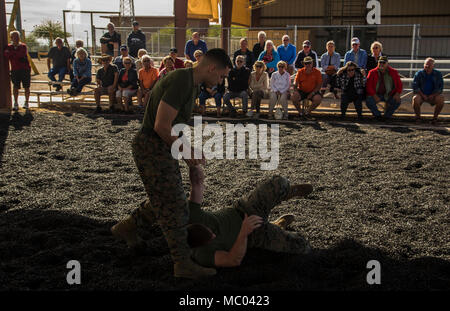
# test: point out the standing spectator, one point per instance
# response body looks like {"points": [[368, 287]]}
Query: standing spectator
{"points": [[118, 61], [138, 63], [216, 92], [308, 82], [82, 71], [17, 54], [78, 44], [147, 79], [428, 85], [107, 78], [270, 57], [279, 89], [111, 41], [259, 85], [287, 53], [356, 55], [330, 63], [136, 40], [168, 67], [238, 81], [244, 51], [260, 45], [372, 60], [383, 85], [128, 84], [193, 45], [178, 62], [352, 83], [306, 52], [59, 55]]}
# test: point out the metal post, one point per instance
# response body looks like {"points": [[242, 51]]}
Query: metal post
{"points": [[94, 48], [18, 17], [159, 44], [413, 48], [295, 36], [5, 84], [351, 32]]}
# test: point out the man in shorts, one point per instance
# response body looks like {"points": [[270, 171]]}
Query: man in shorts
{"points": [[308, 82], [107, 79], [17, 54]]}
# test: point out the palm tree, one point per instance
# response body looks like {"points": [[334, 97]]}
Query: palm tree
{"points": [[49, 30]]}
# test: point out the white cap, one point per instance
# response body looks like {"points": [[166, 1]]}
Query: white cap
{"points": [[355, 40]]}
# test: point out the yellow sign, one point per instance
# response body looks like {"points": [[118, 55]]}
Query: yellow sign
{"points": [[208, 9]]}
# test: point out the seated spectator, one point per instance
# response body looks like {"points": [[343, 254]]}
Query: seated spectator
{"points": [[279, 89], [259, 46], [138, 63], [188, 63], [118, 61], [428, 85], [352, 83], [136, 40], [111, 41], [178, 62], [238, 81], [198, 57], [330, 63], [308, 82], [193, 45], [356, 55], [128, 84], [82, 71], [216, 92], [107, 78], [288, 53], [244, 51], [383, 85], [168, 67], [59, 56], [17, 54], [78, 44], [306, 52], [259, 85], [147, 79], [372, 60], [270, 57]]}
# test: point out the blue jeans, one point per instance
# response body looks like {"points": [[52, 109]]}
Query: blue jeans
{"points": [[79, 85], [205, 95], [392, 105], [61, 71], [242, 94], [346, 99]]}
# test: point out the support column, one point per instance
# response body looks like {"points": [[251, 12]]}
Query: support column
{"points": [[227, 10], [180, 10], [5, 84]]}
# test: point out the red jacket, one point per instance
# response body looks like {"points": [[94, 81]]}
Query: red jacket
{"points": [[372, 80], [17, 56]]}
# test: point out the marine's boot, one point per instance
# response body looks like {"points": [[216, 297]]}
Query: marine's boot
{"points": [[127, 230], [190, 270], [284, 221], [299, 191]]}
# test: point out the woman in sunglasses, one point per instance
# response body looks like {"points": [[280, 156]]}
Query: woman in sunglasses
{"points": [[352, 82], [128, 84]]}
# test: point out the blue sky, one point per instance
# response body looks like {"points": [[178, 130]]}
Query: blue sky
{"points": [[33, 12]]}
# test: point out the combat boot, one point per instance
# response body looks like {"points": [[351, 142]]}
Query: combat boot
{"points": [[299, 191], [284, 221], [190, 270], [127, 230]]}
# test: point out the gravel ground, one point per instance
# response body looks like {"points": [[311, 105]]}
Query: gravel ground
{"points": [[380, 193]]}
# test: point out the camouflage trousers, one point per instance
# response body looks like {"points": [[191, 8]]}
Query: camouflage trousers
{"points": [[166, 203], [261, 201]]}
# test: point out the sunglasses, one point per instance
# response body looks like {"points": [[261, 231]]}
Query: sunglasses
{"points": [[351, 70], [240, 61], [280, 67], [381, 62], [258, 66]]}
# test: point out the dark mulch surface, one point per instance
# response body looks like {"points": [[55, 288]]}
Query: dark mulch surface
{"points": [[381, 194]]}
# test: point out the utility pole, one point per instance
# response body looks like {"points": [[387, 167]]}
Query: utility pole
{"points": [[5, 84]]}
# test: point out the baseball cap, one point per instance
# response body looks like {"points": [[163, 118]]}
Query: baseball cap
{"points": [[135, 23], [383, 59], [307, 60], [355, 40], [123, 47], [306, 43], [173, 50]]}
